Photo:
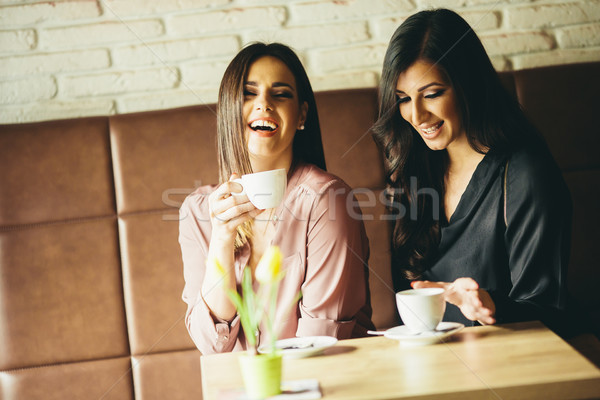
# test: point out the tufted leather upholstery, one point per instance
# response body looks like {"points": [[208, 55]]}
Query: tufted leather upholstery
{"points": [[90, 267]]}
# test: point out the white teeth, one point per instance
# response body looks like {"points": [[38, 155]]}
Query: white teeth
{"points": [[432, 129], [262, 122]]}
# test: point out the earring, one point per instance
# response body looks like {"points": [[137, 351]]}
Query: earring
{"points": [[301, 127]]}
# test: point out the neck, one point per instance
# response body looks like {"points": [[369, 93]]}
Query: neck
{"points": [[260, 164], [462, 156]]}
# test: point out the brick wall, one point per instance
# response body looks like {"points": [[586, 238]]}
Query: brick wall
{"points": [[74, 58]]}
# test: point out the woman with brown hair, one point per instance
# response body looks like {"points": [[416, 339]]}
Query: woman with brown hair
{"points": [[267, 119]]}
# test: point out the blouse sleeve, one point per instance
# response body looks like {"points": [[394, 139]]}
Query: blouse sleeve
{"points": [[538, 239], [335, 290], [209, 334]]}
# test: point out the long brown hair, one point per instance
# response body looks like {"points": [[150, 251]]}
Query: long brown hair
{"points": [[492, 119], [231, 142]]}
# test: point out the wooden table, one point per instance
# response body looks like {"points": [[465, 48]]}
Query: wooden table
{"points": [[512, 361]]}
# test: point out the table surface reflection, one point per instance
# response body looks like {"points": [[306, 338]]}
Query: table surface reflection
{"points": [[511, 361]]}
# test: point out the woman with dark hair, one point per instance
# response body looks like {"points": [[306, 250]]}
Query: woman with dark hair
{"points": [[267, 119], [488, 215]]}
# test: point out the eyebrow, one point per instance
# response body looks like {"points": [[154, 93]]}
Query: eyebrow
{"points": [[424, 87], [275, 84]]}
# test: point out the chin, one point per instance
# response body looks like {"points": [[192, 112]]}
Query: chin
{"points": [[435, 146]]}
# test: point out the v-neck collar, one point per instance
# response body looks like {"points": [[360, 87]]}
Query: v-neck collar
{"points": [[478, 182]]}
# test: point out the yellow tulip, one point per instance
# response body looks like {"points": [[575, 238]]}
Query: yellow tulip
{"points": [[269, 265]]}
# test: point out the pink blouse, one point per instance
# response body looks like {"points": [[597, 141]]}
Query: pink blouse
{"points": [[319, 230]]}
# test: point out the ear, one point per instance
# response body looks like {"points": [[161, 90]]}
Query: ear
{"points": [[303, 114]]}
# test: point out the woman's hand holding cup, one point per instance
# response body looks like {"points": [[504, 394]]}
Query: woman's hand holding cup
{"points": [[227, 211]]}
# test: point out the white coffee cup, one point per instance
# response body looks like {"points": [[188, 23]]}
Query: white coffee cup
{"points": [[264, 189], [422, 309]]}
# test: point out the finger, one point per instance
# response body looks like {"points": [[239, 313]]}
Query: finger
{"points": [[227, 188], [487, 320], [230, 213], [233, 223], [485, 317], [461, 297], [466, 284], [427, 284], [220, 206]]}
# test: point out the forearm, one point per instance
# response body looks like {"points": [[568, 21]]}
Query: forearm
{"points": [[216, 284]]}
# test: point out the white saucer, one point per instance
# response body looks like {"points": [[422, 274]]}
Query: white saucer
{"points": [[301, 346], [406, 338]]}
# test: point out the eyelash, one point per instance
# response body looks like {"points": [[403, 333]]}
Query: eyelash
{"points": [[435, 94], [285, 95], [429, 96]]}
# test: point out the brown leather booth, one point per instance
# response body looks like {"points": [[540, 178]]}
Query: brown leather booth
{"points": [[90, 267]]}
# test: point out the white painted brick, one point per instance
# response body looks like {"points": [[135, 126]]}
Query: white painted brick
{"points": [[482, 21], [451, 4], [51, 110], [105, 32], [494, 3], [119, 82], [359, 79], [579, 36], [202, 75], [226, 20], [549, 15], [17, 40], [54, 11], [349, 58], [312, 36], [54, 62], [176, 50], [340, 10], [500, 63], [124, 8], [517, 42], [555, 57], [384, 28], [164, 100], [27, 90], [89, 49]]}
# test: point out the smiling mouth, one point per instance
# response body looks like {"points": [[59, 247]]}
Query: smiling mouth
{"points": [[432, 130], [264, 127]]}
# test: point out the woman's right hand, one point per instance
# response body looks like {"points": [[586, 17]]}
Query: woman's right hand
{"points": [[227, 211]]}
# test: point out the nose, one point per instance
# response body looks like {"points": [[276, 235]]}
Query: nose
{"points": [[262, 103], [418, 113]]}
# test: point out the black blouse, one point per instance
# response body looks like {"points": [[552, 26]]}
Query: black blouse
{"points": [[515, 244]]}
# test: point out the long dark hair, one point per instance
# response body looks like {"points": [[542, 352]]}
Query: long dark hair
{"points": [[492, 119], [231, 142], [232, 146]]}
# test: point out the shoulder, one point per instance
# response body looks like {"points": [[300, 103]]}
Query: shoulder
{"points": [[317, 181], [534, 167], [328, 194], [534, 173]]}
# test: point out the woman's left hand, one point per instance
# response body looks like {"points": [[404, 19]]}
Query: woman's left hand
{"points": [[476, 304]]}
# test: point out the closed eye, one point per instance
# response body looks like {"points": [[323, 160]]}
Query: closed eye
{"points": [[435, 94], [402, 99], [286, 95]]}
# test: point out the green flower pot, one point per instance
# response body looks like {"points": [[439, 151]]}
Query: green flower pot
{"points": [[261, 374]]}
